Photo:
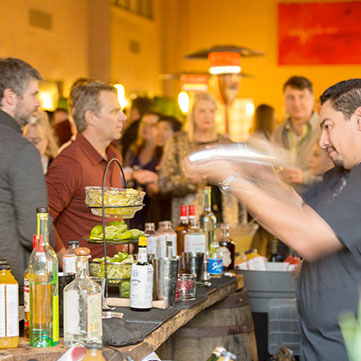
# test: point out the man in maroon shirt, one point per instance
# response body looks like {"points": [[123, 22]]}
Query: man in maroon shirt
{"points": [[99, 120]]}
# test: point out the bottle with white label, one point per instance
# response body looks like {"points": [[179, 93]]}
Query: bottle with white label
{"points": [[166, 234], [70, 258], [9, 305], [82, 305], [141, 280], [152, 240], [195, 239]]}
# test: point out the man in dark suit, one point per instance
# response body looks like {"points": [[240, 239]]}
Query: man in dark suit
{"points": [[22, 183]]}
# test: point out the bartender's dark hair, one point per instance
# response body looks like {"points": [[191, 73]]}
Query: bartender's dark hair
{"points": [[344, 96], [16, 74]]}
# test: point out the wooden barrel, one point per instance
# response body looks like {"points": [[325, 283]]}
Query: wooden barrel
{"points": [[227, 323]]}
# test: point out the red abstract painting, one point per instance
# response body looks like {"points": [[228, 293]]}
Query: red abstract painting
{"points": [[319, 33]]}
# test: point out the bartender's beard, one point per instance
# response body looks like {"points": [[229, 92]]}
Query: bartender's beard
{"points": [[338, 162]]}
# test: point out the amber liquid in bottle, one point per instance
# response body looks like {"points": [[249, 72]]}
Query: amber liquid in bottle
{"points": [[182, 229], [227, 247]]}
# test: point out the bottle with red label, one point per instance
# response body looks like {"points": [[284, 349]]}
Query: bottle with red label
{"points": [[191, 216], [181, 230]]}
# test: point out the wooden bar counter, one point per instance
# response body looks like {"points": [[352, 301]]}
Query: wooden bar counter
{"points": [[138, 351]]}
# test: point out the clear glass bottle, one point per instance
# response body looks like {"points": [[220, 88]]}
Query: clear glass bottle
{"points": [[181, 229], [166, 233], [215, 261], [141, 280], [27, 297], [195, 239], [82, 305], [69, 258], [207, 219], [227, 248], [43, 279], [9, 308], [152, 240]]}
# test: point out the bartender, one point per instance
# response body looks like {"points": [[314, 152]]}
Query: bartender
{"points": [[323, 226]]}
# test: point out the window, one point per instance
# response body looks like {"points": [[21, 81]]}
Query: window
{"points": [[140, 7]]}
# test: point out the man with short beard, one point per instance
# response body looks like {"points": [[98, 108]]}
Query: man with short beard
{"points": [[22, 183], [322, 226]]}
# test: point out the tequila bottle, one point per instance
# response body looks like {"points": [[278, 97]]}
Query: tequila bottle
{"points": [[82, 305], [43, 280]]}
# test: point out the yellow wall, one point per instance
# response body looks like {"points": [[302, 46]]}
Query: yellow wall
{"points": [[179, 27], [72, 49], [138, 72], [60, 54], [251, 24]]}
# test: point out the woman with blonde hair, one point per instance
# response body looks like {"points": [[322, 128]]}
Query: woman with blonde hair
{"points": [[39, 132], [201, 131]]}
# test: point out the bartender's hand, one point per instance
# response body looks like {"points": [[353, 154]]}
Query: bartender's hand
{"points": [[215, 171], [292, 175]]}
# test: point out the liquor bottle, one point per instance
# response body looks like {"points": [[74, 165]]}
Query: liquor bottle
{"points": [[70, 258], [152, 240], [227, 248], [275, 255], [27, 297], [215, 261], [181, 230], [43, 279], [9, 304], [216, 353], [191, 215], [195, 239], [166, 233], [207, 219], [141, 280], [82, 305], [292, 259]]}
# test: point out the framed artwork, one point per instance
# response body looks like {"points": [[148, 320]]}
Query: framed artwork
{"points": [[319, 33]]}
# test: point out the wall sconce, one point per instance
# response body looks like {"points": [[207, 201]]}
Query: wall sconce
{"points": [[49, 95], [121, 95]]}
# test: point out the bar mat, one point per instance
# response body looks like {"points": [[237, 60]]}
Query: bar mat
{"points": [[149, 321]]}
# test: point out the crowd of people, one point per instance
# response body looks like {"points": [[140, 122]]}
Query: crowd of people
{"points": [[49, 163]]}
